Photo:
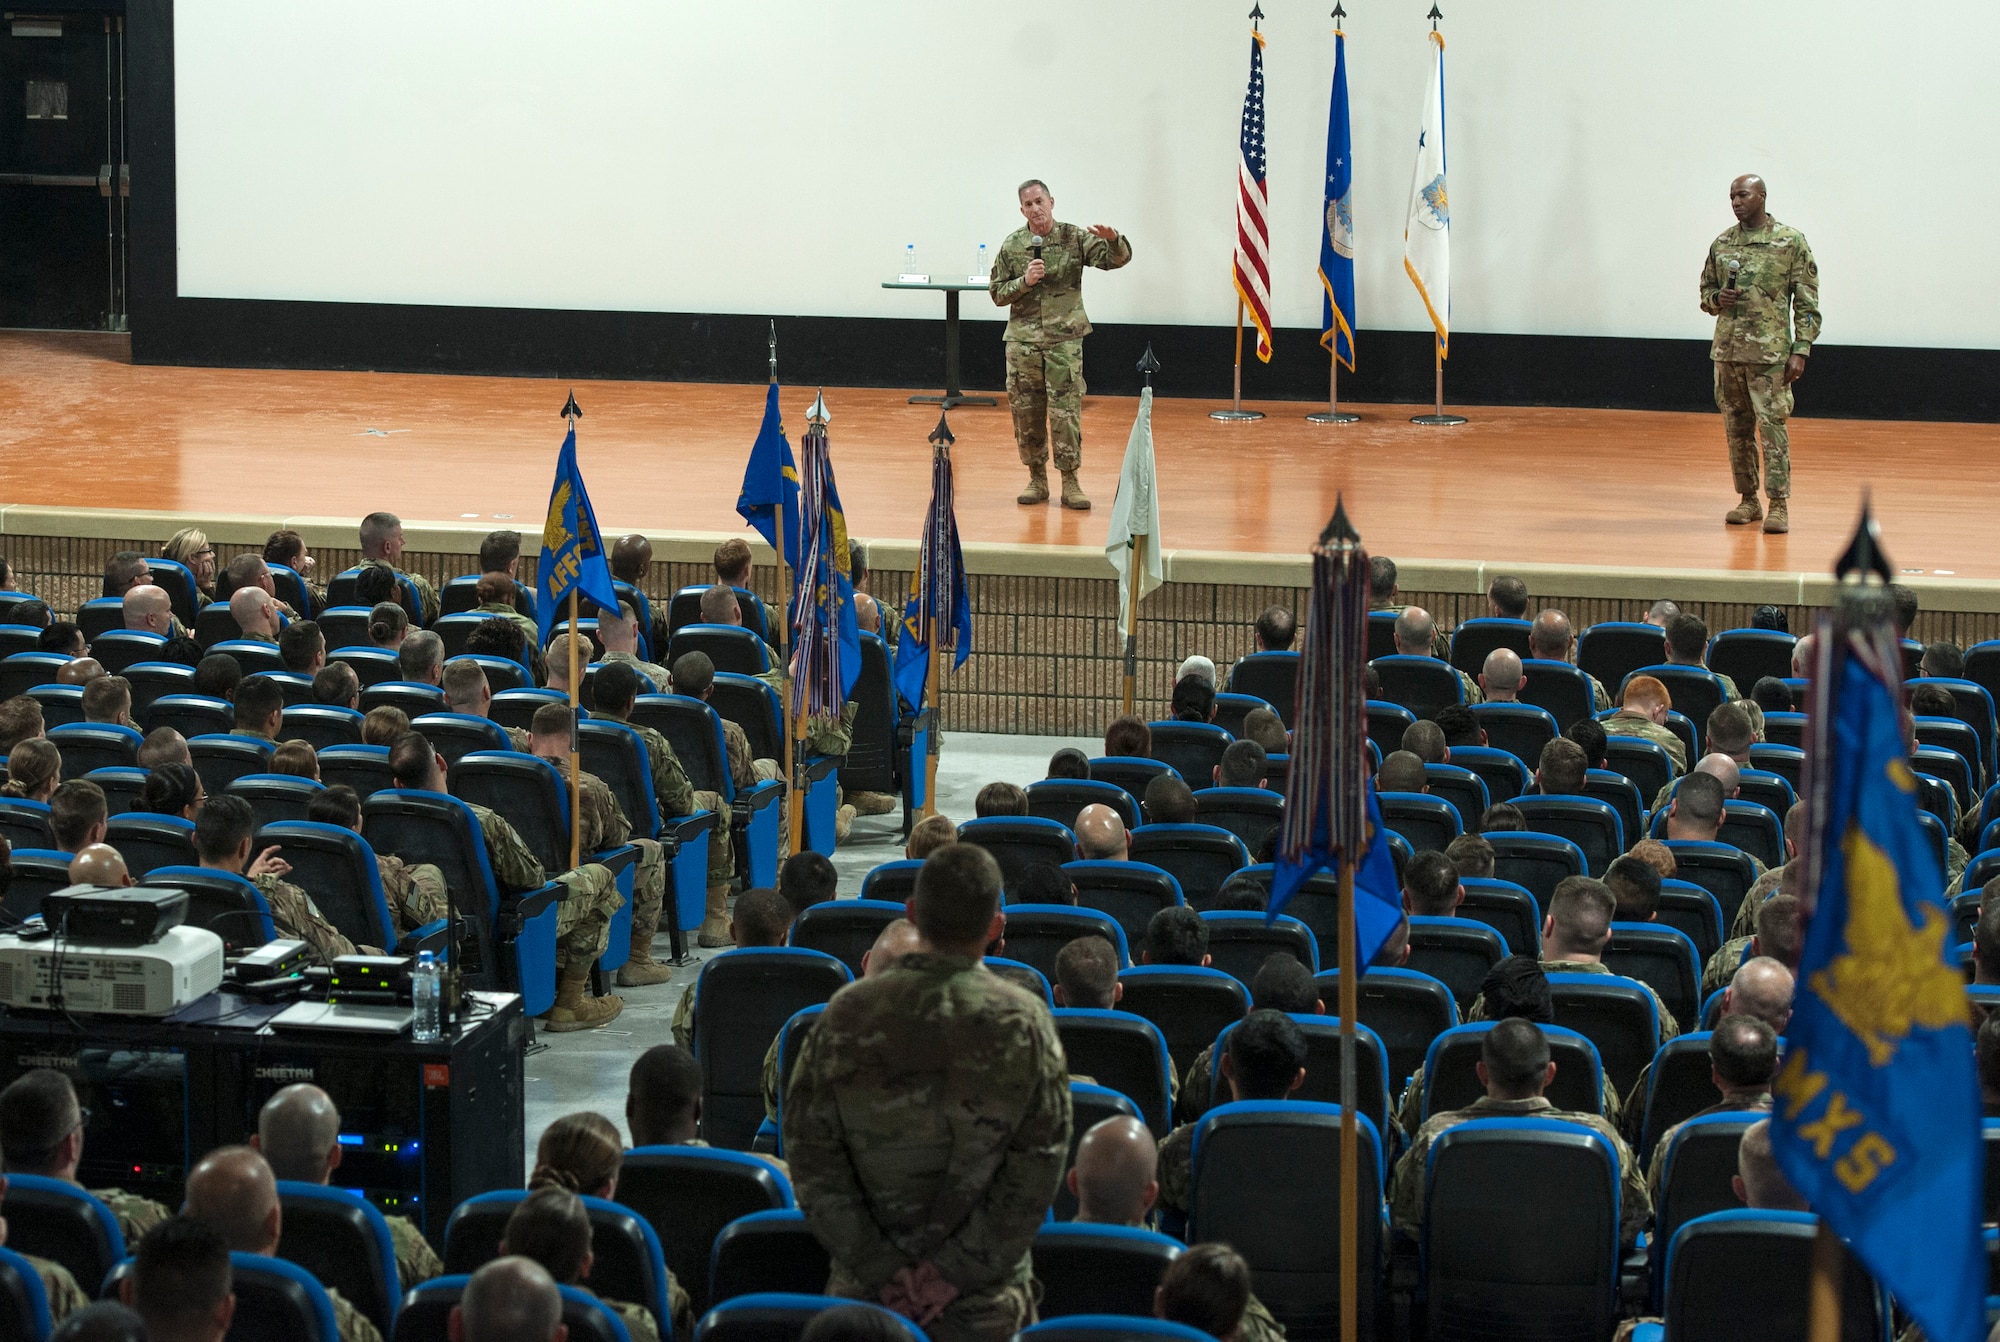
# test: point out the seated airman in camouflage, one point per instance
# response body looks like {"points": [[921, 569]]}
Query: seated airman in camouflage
{"points": [[223, 833], [41, 1132]]}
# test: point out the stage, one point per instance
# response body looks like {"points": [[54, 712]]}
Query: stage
{"points": [[1600, 511]]}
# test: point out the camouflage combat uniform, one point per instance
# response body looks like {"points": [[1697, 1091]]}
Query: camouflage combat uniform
{"points": [[294, 914], [928, 1121], [416, 1261], [676, 797], [1669, 1027], [506, 611], [415, 892], [1626, 722], [427, 599], [136, 1215], [64, 1295], [1775, 317], [1409, 1111], [1045, 330], [605, 826], [1406, 1187], [1728, 1104], [656, 676], [350, 1323], [583, 917], [1722, 965]]}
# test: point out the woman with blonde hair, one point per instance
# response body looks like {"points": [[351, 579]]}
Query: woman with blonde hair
{"points": [[190, 546], [34, 768], [581, 1154]]}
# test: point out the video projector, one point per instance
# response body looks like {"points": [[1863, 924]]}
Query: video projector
{"points": [[110, 976]]}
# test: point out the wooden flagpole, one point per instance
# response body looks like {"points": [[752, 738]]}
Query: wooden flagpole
{"points": [[1132, 616], [1350, 1132], [1236, 410], [932, 689]]}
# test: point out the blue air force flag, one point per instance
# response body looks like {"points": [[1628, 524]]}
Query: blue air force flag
{"points": [[572, 549]]}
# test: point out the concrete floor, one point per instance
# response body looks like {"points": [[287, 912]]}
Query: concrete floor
{"points": [[587, 1070]]}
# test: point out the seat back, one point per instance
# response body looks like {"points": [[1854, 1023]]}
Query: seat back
{"points": [[755, 707], [24, 670], [1198, 857], [689, 1193], [24, 1304], [18, 637], [147, 841], [191, 715], [1386, 724], [694, 730], [413, 697], [1421, 684], [767, 1251], [1458, 952], [1407, 1010], [1461, 789], [1519, 729], [1480, 635], [321, 725], [892, 882], [743, 998], [731, 647], [37, 874], [1696, 692], [1019, 842], [1192, 749], [1123, 1051], [1934, 761], [1554, 1274], [117, 649], [221, 901], [1664, 959], [100, 615], [628, 1263], [1505, 776], [339, 1238], [1506, 908], [1754, 828], [94, 745], [1099, 1269], [374, 666], [1746, 656], [1063, 799], [252, 657], [1680, 1085], [441, 830], [1723, 870], [844, 928], [1616, 1014], [1132, 772], [1590, 824], [1615, 649], [221, 760], [150, 680], [25, 824], [1975, 709], [1451, 1081], [1250, 813], [528, 791], [1644, 763], [275, 797], [516, 708], [456, 735], [1130, 892], [426, 1312], [1238, 942], [874, 761], [1270, 676], [278, 1299], [61, 704], [1260, 1170], [1693, 912], [1429, 823], [1189, 1004], [1316, 903], [1557, 688], [121, 787], [1697, 1170], [363, 768], [1788, 762], [57, 1220], [1372, 1096], [1743, 1273], [338, 868], [1036, 933], [617, 755], [1535, 861], [343, 627], [1232, 709], [1616, 791]]}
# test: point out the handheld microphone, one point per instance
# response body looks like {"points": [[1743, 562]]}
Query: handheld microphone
{"points": [[1734, 266], [1035, 247]]}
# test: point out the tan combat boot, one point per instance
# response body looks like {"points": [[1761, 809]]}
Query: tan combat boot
{"points": [[576, 1011], [1038, 486], [714, 932], [640, 968], [1777, 522], [1745, 512], [1072, 493]]}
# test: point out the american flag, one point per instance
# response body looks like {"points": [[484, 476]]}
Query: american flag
{"points": [[1253, 229]]}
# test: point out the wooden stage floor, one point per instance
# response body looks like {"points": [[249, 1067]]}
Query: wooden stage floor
{"points": [[83, 428]]}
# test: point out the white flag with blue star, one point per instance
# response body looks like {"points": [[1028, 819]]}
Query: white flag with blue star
{"points": [[1427, 229]]}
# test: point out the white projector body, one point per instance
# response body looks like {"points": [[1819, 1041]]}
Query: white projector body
{"points": [[150, 980]]}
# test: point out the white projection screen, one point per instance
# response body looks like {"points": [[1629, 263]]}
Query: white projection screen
{"points": [[775, 156]]}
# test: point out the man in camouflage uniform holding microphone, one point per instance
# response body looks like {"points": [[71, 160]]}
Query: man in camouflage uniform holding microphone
{"points": [[1038, 276], [1762, 285]]}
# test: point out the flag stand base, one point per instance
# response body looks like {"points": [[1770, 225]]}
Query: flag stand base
{"points": [[1437, 419], [1333, 417], [1235, 414]]}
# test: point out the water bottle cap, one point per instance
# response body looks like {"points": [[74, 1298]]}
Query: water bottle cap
{"points": [[424, 958]]}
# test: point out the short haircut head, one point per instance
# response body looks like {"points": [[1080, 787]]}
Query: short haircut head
{"points": [[226, 823], [1509, 596], [420, 654], [1582, 909], [1033, 182], [1401, 771], [1244, 764], [498, 550], [299, 644], [335, 805], [381, 726], [511, 1299], [1069, 762], [693, 673], [1780, 930], [1516, 1054], [1276, 628], [1266, 1051], [1500, 817], [957, 894], [336, 683], [1563, 768], [1764, 1184], [1415, 627], [38, 1109], [74, 809], [1000, 799], [663, 1088], [1687, 637], [1772, 695], [217, 675], [1381, 577], [1471, 855], [1128, 736], [464, 684], [1945, 659], [106, 699], [1635, 884], [1698, 800], [181, 1275], [617, 687], [297, 1130], [1459, 724], [1518, 987], [855, 1322], [1430, 883], [1283, 983], [1744, 1051], [1169, 801], [1932, 701], [732, 560], [1729, 729], [761, 917], [1175, 935], [1646, 692], [1589, 734], [412, 760], [163, 745], [551, 1226], [1267, 729], [1425, 740], [719, 604], [1042, 883], [1656, 855], [1207, 1288], [1087, 972], [930, 834], [256, 699], [807, 878]]}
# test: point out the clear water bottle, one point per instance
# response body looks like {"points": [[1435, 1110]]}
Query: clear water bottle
{"points": [[981, 270], [909, 259], [426, 995]]}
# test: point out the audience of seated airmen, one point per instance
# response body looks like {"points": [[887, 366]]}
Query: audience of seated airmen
{"points": [[1574, 935], [1282, 985], [1417, 635]]}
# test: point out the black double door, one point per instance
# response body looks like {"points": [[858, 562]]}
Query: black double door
{"points": [[63, 178]]}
